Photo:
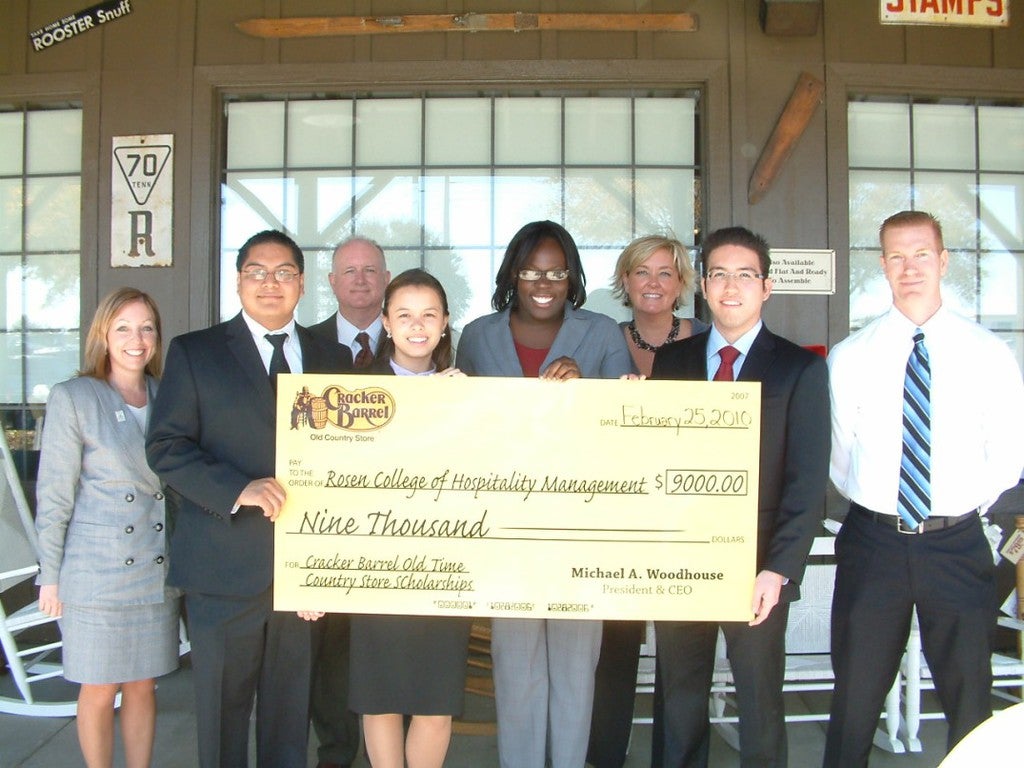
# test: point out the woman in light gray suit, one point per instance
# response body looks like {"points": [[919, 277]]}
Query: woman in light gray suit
{"points": [[101, 525], [543, 669]]}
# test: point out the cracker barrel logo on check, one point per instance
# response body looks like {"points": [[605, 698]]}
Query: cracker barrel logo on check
{"points": [[357, 410]]}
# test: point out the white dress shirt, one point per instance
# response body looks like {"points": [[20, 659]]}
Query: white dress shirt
{"points": [[347, 333], [977, 413], [742, 345], [292, 348]]}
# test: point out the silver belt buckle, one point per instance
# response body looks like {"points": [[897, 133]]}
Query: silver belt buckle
{"points": [[900, 526]]}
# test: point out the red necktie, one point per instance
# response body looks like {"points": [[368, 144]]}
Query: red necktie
{"points": [[364, 356], [728, 356]]}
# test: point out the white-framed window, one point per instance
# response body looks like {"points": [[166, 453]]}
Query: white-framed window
{"points": [[443, 182], [40, 259], [961, 160]]}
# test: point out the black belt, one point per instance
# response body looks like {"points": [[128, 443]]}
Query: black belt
{"points": [[930, 523]]}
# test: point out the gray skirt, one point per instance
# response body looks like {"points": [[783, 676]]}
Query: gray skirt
{"points": [[119, 644]]}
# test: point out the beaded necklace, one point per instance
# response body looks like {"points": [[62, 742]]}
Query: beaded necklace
{"points": [[634, 334]]}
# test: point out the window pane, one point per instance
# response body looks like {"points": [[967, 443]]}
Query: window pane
{"points": [[458, 131], [11, 305], [458, 208], [251, 203], [943, 136], [522, 196], [598, 131], [1002, 211], [10, 215], [229, 303], [11, 127], [456, 269], [879, 135], [318, 206], [317, 300], [54, 141], [960, 285], [388, 207], [255, 134], [306, 206], [52, 290], [430, 206], [53, 211], [598, 206], [975, 193], [665, 203], [664, 131], [49, 358], [1001, 138], [467, 275], [874, 196], [1002, 286], [870, 295], [599, 267], [401, 259], [951, 198], [10, 371], [388, 132], [40, 213], [319, 133], [527, 131]]}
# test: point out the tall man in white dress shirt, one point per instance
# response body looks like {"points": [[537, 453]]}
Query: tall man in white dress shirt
{"points": [[927, 418], [358, 278]]}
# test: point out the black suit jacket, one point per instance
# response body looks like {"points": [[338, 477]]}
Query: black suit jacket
{"points": [[795, 442], [211, 431], [328, 331]]}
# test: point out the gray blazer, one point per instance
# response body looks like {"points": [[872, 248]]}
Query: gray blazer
{"points": [[100, 508], [593, 340]]}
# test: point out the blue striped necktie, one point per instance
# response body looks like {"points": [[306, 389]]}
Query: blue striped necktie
{"points": [[915, 497]]}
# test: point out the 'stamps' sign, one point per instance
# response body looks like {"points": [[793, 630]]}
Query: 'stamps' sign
{"points": [[142, 201], [946, 13]]}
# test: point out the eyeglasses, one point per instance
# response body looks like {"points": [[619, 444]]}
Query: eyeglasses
{"points": [[259, 274], [743, 277], [532, 275]]}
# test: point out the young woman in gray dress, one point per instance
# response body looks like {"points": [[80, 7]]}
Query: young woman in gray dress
{"points": [[102, 532]]}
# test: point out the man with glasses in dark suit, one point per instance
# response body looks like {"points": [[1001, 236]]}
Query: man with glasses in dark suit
{"points": [[211, 440], [793, 473]]}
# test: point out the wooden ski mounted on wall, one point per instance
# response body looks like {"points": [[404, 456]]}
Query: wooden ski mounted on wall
{"points": [[323, 26], [792, 123]]}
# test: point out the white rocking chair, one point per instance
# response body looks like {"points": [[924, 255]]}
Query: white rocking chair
{"points": [[29, 661]]}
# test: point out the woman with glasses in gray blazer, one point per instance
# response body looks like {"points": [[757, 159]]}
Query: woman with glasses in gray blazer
{"points": [[543, 669]]}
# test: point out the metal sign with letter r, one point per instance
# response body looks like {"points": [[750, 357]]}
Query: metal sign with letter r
{"points": [[142, 201]]}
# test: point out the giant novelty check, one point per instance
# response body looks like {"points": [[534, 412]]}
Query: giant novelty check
{"points": [[587, 498]]}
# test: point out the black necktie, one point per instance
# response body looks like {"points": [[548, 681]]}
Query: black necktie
{"points": [[364, 356], [278, 362]]}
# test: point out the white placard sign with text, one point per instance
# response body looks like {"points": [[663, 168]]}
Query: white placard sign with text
{"points": [[803, 271]]}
